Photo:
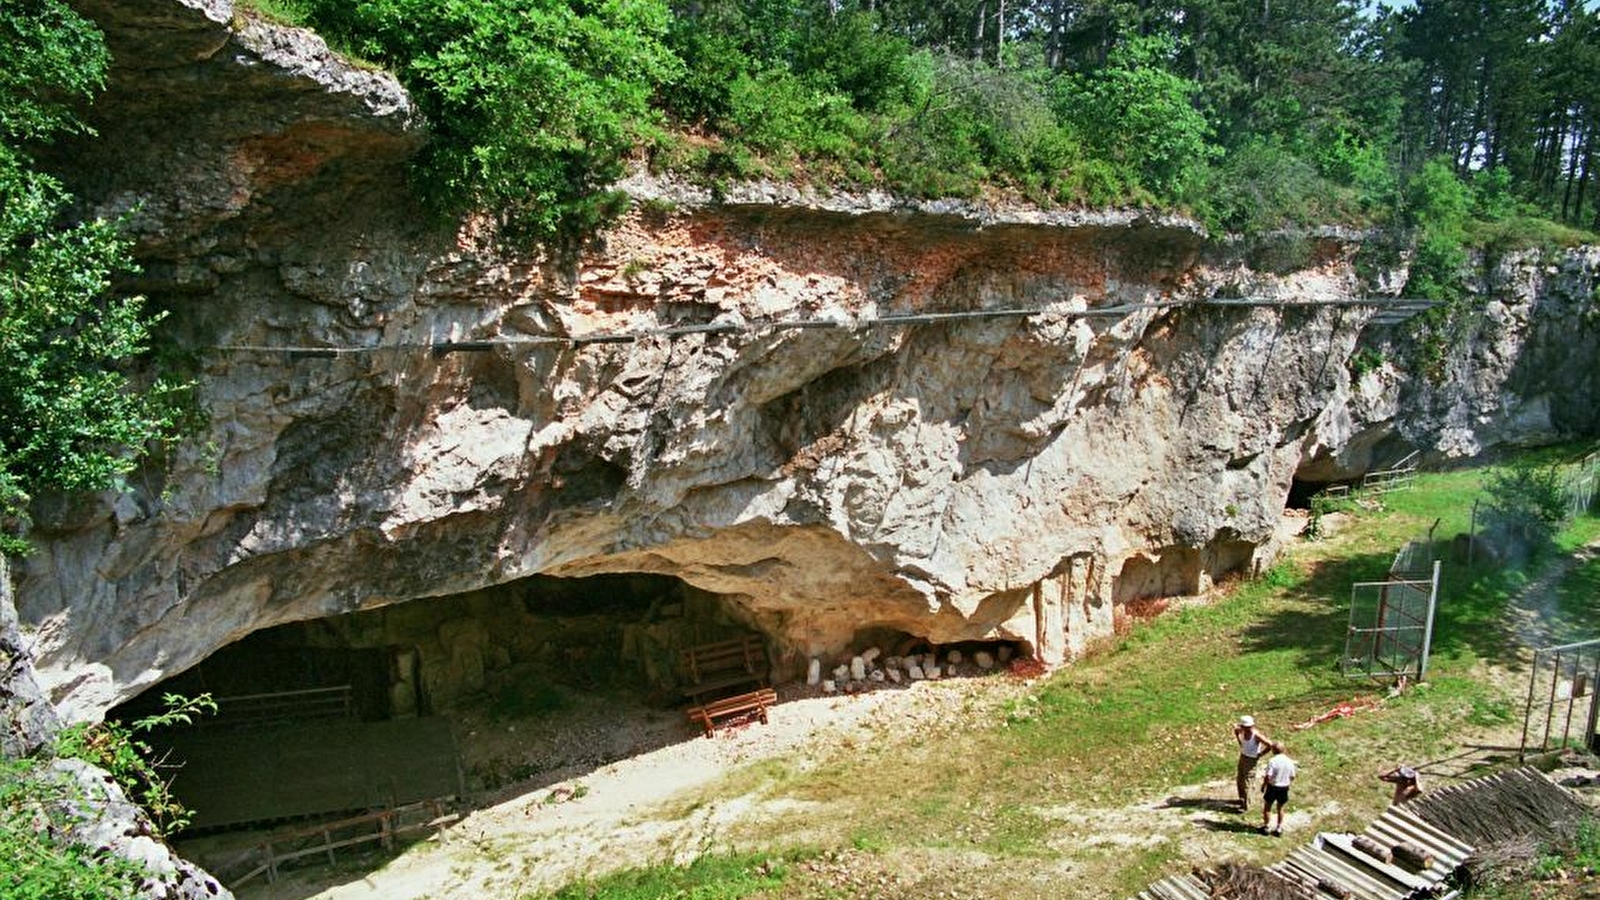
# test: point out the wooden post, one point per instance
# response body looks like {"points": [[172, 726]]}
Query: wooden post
{"points": [[1472, 534]]}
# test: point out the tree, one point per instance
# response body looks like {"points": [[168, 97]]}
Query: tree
{"points": [[73, 413], [1525, 508], [532, 104], [1138, 114]]}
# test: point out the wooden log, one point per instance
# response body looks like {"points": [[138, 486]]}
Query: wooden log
{"points": [[1333, 889], [1373, 849], [1412, 857]]}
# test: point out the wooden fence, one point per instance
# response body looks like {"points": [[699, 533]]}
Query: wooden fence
{"points": [[1397, 477], [282, 706], [381, 827]]}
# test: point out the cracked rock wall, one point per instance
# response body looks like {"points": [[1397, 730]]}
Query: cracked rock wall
{"points": [[1011, 477]]}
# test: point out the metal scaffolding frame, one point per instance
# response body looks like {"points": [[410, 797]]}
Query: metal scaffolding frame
{"points": [[1572, 671], [1391, 628]]}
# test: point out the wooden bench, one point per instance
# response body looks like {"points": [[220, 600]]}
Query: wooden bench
{"points": [[710, 670], [755, 701], [727, 678]]}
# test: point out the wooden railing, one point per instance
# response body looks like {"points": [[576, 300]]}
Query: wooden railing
{"points": [[1399, 476], [283, 706], [381, 827]]}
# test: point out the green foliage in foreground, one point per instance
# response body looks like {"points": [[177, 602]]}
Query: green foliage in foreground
{"points": [[114, 746], [72, 415], [35, 806], [39, 805]]}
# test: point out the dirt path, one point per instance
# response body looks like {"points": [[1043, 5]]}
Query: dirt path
{"points": [[636, 811], [1528, 614], [676, 802]]}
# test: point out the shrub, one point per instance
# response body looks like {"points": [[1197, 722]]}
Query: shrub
{"points": [[1524, 508], [849, 53], [36, 806], [778, 112], [72, 416], [1492, 199], [1137, 114], [1257, 187], [114, 747], [533, 104], [1344, 158]]}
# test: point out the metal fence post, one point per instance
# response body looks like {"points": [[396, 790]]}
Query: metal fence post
{"points": [[1427, 630]]}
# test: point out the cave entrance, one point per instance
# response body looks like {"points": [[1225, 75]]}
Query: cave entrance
{"points": [[539, 679], [1301, 492]]}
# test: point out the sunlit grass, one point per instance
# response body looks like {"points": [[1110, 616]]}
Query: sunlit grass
{"points": [[1151, 712]]}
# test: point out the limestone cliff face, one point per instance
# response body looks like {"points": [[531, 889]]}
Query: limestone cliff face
{"points": [[400, 411]]}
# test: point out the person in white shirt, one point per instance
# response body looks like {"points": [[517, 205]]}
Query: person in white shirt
{"points": [[1252, 744], [1275, 786]]}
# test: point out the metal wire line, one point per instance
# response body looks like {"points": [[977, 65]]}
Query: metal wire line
{"points": [[1390, 306]]}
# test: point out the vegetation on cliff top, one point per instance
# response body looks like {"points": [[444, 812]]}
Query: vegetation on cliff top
{"points": [[1252, 115], [71, 413]]}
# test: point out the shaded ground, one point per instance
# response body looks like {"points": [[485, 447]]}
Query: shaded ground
{"points": [[297, 770]]}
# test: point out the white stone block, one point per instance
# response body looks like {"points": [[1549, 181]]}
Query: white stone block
{"points": [[814, 672], [871, 653], [828, 686], [915, 671], [893, 675], [840, 673], [858, 668], [954, 657], [876, 675], [931, 671], [983, 659]]}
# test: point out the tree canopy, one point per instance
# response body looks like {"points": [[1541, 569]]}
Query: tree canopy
{"points": [[1252, 113]]}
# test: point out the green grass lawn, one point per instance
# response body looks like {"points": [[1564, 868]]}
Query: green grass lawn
{"points": [[1021, 779]]}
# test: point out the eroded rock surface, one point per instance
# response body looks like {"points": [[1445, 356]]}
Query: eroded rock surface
{"points": [[399, 411]]}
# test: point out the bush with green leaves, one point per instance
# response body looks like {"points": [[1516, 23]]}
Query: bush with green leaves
{"points": [[116, 747], [74, 413], [1524, 508], [1138, 114], [36, 805], [533, 105], [974, 124], [1256, 188], [41, 805]]}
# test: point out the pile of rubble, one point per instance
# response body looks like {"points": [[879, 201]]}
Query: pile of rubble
{"points": [[870, 668]]}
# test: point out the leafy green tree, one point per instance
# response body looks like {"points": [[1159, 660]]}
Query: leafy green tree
{"points": [[73, 415], [533, 104], [1438, 204], [1137, 114], [1525, 507]]}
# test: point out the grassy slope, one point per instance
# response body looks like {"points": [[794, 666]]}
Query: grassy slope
{"points": [[1015, 793]]}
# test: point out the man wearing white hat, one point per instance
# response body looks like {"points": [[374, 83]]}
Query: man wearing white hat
{"points": [[1252, 744]]}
